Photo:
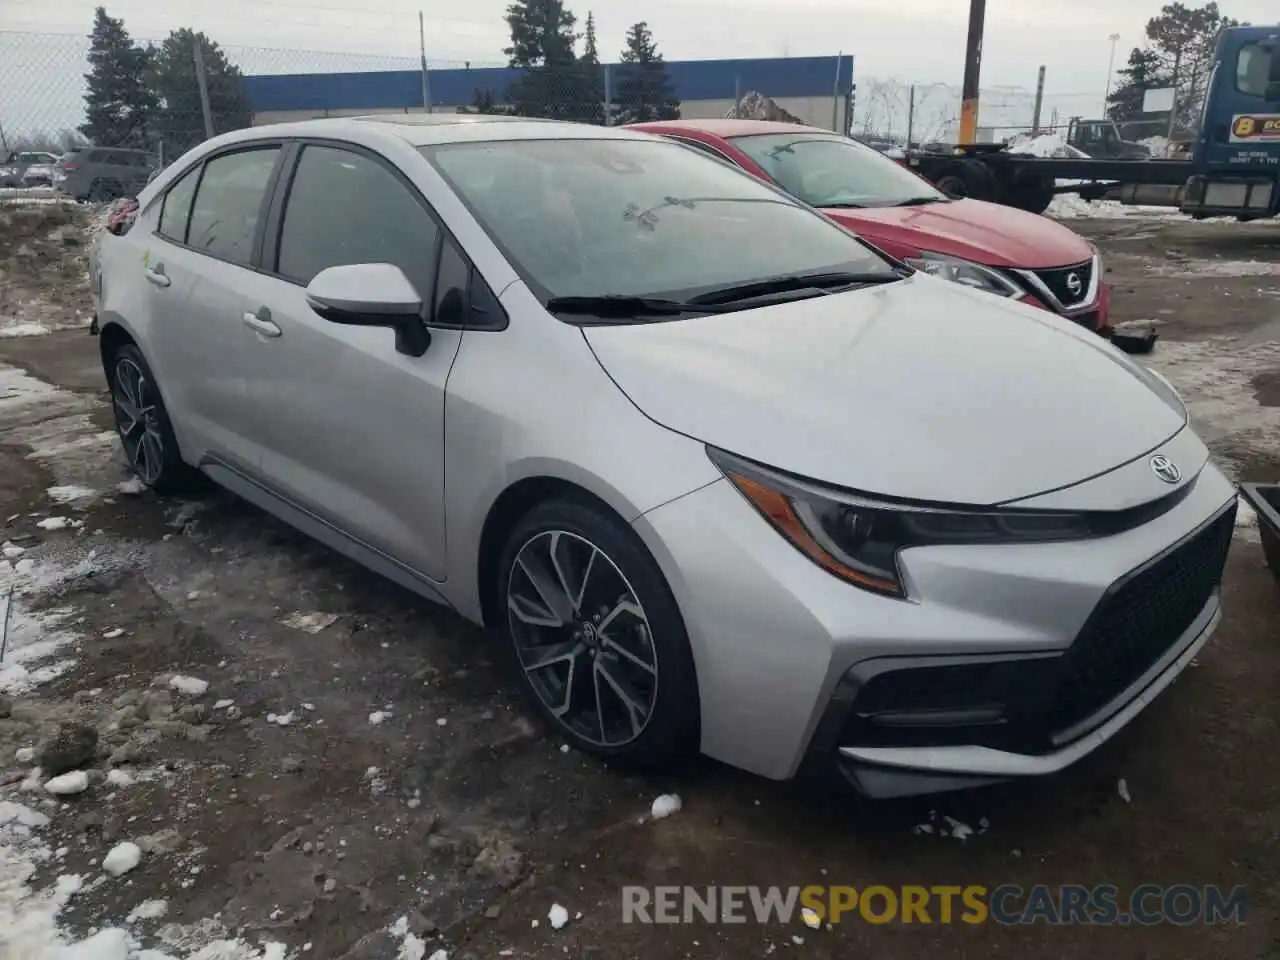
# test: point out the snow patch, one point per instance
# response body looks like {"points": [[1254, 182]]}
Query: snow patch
{"points": [[557, 916], [77, 781], [309, 622], [71, 493], [15, 330], [665, 805], [191, 686], [122, 858]]}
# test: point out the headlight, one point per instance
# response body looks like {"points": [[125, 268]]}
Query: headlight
{"points": [[965, 272], [858, 538]]}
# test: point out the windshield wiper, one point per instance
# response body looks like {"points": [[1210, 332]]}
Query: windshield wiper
{"points": [[793, 283], [920, 201], [620, 307]]}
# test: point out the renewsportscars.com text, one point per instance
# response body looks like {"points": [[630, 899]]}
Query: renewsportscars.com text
{"points": [[1008, 904]]}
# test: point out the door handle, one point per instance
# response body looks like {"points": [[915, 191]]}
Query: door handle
{"points": [[261, 323], [157, 275]]}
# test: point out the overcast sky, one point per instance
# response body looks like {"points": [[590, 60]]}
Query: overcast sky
{"points": [[919, 40]]}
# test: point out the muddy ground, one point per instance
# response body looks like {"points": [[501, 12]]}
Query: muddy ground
{"points": [[382, 767]]}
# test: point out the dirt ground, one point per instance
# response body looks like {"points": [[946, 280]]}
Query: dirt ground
{"points": [[359, 756]]}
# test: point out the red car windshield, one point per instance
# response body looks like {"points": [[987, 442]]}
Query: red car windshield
{"points": [[832, 171]]}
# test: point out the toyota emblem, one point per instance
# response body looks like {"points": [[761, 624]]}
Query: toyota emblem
{"points": [[1074, 284], [1165, 469]]}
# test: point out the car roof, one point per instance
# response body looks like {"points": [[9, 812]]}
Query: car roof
{"points": [[421, 130], [729, 127]]}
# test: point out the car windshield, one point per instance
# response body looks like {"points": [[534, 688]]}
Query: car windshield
{"points": [[639, 218], [832, 171]]}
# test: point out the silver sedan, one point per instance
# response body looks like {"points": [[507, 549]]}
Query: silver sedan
{"points": [[721, 476]]}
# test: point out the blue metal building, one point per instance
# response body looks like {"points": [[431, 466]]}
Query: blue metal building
{"points": [[816, 89]]}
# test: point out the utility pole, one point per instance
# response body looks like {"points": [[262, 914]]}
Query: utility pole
{"points": [[972, 72], [1035, 119], [203, 83], [422, 48], [1111, 63]]}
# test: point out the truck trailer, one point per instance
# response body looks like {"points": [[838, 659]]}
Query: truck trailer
{"points": [[1233, 169]]}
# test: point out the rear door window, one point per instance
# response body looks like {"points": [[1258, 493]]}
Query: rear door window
{"points": [[228, 203]]}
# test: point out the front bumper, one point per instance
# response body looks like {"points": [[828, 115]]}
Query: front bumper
{"points": [[784, 651]]}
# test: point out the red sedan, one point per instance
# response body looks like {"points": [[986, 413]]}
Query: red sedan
{"points": [[1004, 251]]}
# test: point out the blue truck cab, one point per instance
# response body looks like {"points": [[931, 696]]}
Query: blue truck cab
{"points": [[1236, 159]]}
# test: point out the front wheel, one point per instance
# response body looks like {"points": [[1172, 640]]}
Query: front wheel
{"points": [[597, 638], [142, 423]]}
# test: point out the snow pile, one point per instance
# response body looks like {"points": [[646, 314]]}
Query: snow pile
{"points": [[1045, 145], [16, 330], [1070, 206], [1160, 147]]}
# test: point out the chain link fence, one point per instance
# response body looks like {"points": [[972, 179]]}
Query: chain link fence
{"points": [[188, 88]]}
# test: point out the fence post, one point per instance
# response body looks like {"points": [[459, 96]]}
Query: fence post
{"points": [[608, 95], [422, 49], [911, 112], [835, 97], [203, 83]]}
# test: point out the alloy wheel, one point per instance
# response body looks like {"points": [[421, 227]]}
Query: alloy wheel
{"points": [[135, 403], [582, 638]]}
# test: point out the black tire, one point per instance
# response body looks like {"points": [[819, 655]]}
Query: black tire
{"points": [[142, 423], [969, 178], [98, 192], [1031, 191], [619, 567]]}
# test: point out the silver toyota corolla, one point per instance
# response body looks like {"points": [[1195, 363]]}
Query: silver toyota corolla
{"points": [[720, 475]]}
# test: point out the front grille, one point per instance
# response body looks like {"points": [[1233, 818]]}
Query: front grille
{"points": [[1137, 622], [1070, 293], [1027, 699]]}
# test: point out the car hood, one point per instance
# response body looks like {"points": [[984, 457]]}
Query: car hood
{"points": [[987, 233], [916, 389]]}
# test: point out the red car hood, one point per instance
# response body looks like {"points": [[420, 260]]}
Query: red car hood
{"points": [[986, 233]]}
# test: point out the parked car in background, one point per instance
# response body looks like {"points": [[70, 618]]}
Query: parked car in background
{"points": [[19, 165], [100, 174], [717, 472], [1004, 251]]}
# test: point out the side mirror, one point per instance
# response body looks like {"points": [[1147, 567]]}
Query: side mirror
{"points": [[371, 295]]}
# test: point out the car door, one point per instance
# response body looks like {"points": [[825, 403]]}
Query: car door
{"points": [[352, 430], [196, 263]]}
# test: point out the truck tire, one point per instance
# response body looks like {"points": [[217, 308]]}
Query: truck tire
{"points": [[1031, 191], [970, 179]]}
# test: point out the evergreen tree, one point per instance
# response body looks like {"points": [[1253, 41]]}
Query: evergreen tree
{"points": [[590, 80], [542, 42], [1142, 74], [1182, 40], [644, 89], [118, 105], [180, 122]]}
